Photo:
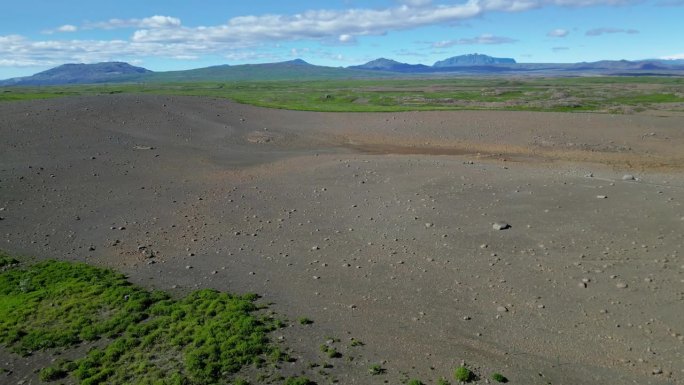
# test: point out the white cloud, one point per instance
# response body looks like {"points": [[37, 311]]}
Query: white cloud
{"points": [[604, 31], [679, 56], [559, 32], [416, 3], [166, 36], [67, 28], [346, 39], [482, 39], [156, 21]]}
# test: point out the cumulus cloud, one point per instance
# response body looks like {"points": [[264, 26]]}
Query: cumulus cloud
{"points": [[67, 28], [482, 39], [346, 39], [166, 36], [416, 3], [559, 32], [679, 56], [156, 21], [604, 31]]}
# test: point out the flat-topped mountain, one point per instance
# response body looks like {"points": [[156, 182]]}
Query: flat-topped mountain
{"points": [[473, 59]]}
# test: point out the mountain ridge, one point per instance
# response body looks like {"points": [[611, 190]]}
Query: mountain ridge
{"points": [[299, 69]]}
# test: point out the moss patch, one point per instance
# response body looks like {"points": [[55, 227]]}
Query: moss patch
{"points": [[204, 338]]}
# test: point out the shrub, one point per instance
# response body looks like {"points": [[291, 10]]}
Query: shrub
{"points": [[463, 374]]}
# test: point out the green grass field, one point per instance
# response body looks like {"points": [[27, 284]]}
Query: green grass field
{"points": [[599, 94]]}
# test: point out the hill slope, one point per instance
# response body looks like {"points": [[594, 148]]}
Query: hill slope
{"points": [[81, 74]]}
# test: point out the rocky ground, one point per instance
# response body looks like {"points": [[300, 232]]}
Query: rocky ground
{"points": [[545, 246]]}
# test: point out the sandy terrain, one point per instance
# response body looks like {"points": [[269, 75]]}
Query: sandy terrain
{"points": [[376, 226]]}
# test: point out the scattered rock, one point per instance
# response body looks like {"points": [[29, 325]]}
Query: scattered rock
{"points": [[502, 309], [621, 285], [601, 197], [628, 177], [501, 226]]}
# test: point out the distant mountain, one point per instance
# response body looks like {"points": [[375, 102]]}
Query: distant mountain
{"points": [[383, 64], [297, 69], [472, 59], [81, 74]]}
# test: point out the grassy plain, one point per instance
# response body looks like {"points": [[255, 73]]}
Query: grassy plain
{"points": [[596, 94]]}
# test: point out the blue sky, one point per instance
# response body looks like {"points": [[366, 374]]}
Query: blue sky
{"points": [[172, 34]]}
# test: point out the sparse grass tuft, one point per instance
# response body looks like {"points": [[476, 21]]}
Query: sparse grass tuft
{"points": [[443, 381], [415, 382], [498, 377], [376, 369], [52, 374], [7, 261], [298, 381], [305, 321], [330, 351], [463, 374]]}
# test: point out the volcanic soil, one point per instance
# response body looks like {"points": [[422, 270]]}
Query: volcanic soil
{"points": [[378, 227]]}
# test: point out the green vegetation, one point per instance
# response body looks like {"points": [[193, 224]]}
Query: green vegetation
{"points": [[305, 321], [52, 374], [203, 338], [415, 382], [376, 369], [298, 381], [443, 381], [463, 374], [498, 377], [599, 94], [330, 351], [6, 261]]}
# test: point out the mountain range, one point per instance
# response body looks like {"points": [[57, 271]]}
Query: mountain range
{"points": [[463, 65]]}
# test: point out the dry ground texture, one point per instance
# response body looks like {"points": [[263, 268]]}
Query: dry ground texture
{"points": [[376, 226]]}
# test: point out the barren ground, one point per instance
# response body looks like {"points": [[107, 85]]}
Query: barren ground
{"points": [[376, 226]]}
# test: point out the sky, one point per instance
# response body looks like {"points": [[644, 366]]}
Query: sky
{"points": [[164, 35]]}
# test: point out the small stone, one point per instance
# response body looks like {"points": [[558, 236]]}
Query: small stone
{"points": [[657, 371], [621, 285], [628, 177], [188, 267], [601, 197], [582, 285], [428, 225], [315, 248], [502, 309], [501, 226], [466, 318]]}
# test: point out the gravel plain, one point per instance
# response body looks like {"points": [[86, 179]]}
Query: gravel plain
{"points": [[545, 246]]}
